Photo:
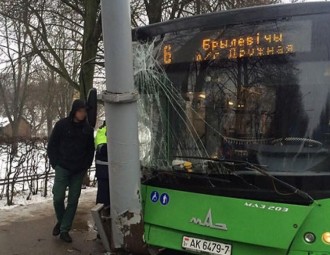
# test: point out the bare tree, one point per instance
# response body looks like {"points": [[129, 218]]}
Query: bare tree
{"points": [[161, 10], [78, 23], [49, 98], [17, 57], [75, 22]]}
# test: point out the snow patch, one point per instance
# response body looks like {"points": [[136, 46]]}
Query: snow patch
{"points": [[4, 121], [35, 208]]}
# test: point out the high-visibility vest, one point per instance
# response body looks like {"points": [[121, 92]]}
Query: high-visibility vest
{"points": [[101, 136]]}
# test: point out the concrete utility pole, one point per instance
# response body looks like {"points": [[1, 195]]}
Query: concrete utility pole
{"points": [[122, 125]]}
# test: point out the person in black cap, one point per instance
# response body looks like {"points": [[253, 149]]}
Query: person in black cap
{"points": [[70, 151]]}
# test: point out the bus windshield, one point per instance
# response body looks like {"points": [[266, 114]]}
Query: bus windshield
{"points": [[257, 92]]}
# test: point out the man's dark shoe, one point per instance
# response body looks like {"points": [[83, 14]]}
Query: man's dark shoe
{"points": [[66, 237], [56, 229]]}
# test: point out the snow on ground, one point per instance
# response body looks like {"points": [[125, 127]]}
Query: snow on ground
{"points": [[3, 163], [4, 121], [21, 200], [37, 207], [32, 166]]}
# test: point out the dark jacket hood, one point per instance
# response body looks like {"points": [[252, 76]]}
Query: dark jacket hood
{"points": [[76, 105]]}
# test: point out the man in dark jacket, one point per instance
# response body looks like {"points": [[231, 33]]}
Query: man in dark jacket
{"points": [[70, 151]]}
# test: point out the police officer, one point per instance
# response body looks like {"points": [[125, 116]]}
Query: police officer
{"points": [[101, 162]]}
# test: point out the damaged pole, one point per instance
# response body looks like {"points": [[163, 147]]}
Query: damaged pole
{"points": [[120, 102]]}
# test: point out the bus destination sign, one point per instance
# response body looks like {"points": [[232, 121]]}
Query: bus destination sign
{"points": [[256, 45]]}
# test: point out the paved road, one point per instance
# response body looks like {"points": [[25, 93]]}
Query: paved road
{"points": [[27, 231]]}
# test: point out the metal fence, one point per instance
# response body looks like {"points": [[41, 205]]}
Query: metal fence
{"points": [[24, 168]]}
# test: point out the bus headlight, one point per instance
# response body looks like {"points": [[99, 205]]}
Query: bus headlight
{"points": [[309, 237], [326, 238]]}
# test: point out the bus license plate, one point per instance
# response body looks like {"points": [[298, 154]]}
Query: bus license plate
{"points": [[195, 244]]}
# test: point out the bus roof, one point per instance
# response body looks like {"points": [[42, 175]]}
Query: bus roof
{"points": [[231, 17]]}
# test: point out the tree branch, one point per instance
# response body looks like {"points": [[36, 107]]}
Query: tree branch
{"points": [[74, 7]]}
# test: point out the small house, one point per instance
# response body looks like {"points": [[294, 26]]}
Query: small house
{"points": [[24, 128]]}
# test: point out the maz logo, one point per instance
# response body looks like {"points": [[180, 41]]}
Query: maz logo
{"points": [[208, 222]]}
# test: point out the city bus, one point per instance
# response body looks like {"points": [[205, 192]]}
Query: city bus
{"points": [[248, 132]]}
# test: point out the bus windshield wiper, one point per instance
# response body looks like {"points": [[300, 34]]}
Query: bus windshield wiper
{"points": [[295, 190], [259, 169]]}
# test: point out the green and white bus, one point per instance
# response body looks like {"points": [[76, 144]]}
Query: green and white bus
{"points": [[254, 178]]}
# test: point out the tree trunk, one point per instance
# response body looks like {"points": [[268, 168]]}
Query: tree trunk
{"points": [[198, 6], [92, 32], [154, 10]]}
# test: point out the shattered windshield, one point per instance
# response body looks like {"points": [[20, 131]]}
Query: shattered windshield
{"points": [[250, 92]]}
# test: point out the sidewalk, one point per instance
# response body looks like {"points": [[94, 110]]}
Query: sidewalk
{"points": [[27, 230]]}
